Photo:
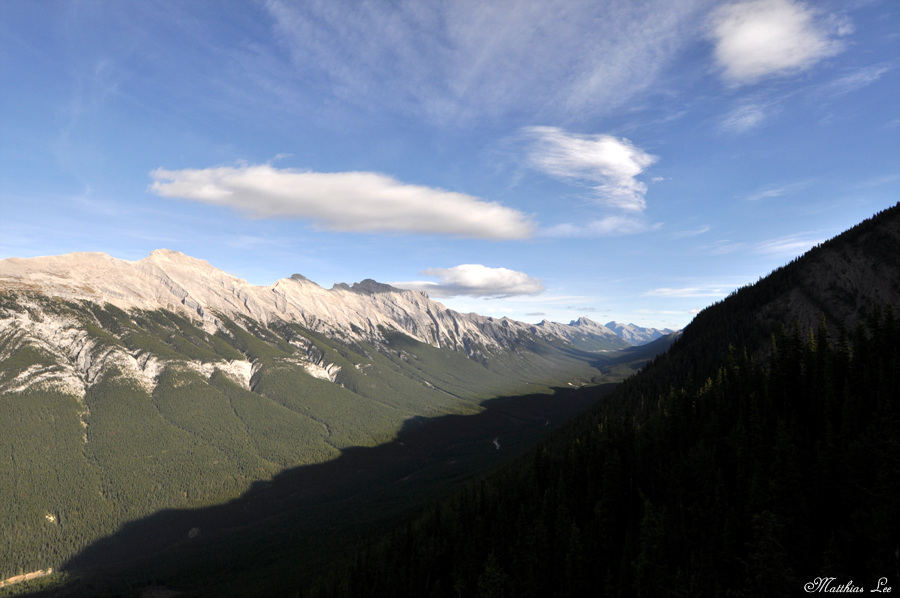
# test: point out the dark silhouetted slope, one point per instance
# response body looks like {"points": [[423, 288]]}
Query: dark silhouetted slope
{"points": [[758, 454]]}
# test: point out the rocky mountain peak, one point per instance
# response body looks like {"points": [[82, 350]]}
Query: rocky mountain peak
{"points": [[583, 321], [169, 255]]}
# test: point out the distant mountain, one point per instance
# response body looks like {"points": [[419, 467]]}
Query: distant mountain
{"points": [[133, 387], [751, 457], [637, 335], [592, 336], [583, 333]]}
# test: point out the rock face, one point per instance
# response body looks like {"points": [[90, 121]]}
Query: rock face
{"points": [[193, 288]]}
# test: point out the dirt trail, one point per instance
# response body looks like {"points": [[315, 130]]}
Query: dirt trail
{"points": [[25, 577]]}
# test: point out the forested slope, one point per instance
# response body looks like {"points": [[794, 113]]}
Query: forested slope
{"points": [[759, 453], [751, 483], [841, 279], [107, 416]]}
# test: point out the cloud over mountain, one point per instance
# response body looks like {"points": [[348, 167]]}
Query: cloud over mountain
{"points": [[475, 280], [343, 201]]}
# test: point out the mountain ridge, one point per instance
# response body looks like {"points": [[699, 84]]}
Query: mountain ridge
{"points": [[194, 288]]}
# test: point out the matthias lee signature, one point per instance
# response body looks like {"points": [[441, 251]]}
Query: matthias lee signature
{"points": [[831, 586]]}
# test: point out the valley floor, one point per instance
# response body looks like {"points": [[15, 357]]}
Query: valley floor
{"points": [[281, 533]]}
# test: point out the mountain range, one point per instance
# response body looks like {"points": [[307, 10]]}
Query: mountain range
{"points": [[192, 288], [130, 387], [45, 301]]}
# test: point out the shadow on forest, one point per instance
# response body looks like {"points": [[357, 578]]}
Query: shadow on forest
{"points": [[307, 517]]}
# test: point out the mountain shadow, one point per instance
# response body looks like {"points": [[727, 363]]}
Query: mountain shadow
{"points": [[774, 477], [283, 531]]}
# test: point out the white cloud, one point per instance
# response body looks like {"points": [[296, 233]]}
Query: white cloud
{"points": [[343, 201], [610, 163], [762, 38], [475, 280]]}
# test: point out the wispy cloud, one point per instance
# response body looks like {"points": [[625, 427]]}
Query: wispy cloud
{"points": [[605, 227], [343, 201], [475, 280], [458, 60], [746, 116], [684, 234], [878, 181], [609, 163], [763, 38], [789, 245], [723, 247], [857, 79], [706, 290], [778, 191]]}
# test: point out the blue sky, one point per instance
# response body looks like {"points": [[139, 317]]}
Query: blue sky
{"points": [[626, 160]]}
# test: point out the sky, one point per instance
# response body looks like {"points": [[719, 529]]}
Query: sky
{"points": [[628, 160]]}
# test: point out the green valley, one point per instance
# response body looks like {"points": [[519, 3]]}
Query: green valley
{"points": [[110, 416]]}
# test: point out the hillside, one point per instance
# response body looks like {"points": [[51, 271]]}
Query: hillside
{"points": [[841, 280], [758, 454], [130, 388]]}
